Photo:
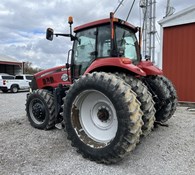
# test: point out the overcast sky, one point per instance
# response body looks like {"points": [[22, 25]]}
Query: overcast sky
{"points": [[23, 25]]}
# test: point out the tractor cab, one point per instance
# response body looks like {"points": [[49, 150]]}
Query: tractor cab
{"points": [[102, 39]]}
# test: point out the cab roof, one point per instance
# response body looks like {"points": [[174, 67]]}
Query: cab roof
{"points": [[105, 21]]}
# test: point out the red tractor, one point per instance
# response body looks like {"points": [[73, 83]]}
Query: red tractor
{"points": [[105, 95]]}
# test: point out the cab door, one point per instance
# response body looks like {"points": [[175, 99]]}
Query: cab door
{"points": [[84, 51]]}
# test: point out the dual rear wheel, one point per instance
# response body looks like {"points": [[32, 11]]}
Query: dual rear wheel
{"points": [[164, 96]]}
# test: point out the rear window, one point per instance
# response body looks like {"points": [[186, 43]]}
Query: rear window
{"points": [[7, 77], [19, 77], [29, 77]]}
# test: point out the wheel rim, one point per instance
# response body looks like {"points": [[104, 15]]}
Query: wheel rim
{"points": [[96, 121], [37, 111], [15, 89]]}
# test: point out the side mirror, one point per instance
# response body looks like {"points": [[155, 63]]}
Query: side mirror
{"points": [[49, 34]]}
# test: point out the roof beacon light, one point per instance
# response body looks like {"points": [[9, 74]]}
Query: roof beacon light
{"points": [[70, 20]]}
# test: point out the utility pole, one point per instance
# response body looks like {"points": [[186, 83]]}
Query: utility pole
{"points": [[149, 28]]}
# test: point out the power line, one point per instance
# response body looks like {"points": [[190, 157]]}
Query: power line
{"points": [[157, 36], [118, 6], [130, 10]]}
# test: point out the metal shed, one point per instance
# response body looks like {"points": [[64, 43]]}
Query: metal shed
{"points": [[178, 52], [10, 65]]}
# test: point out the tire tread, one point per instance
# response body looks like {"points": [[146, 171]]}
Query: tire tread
{"points": [[131, 126]]}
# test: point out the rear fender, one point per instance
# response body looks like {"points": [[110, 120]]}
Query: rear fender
{"points": [[118, 63], [149, 68]]}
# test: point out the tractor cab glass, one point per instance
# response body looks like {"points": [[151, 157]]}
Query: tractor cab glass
{"points": [[104, 42], [90, 44], [84, 50], [95, 43], [126, 43]]}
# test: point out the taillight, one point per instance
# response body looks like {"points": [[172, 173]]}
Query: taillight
{"points": [[4, 82]]}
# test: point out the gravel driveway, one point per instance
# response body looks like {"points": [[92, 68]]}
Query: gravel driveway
{"points": [[25, 150]]}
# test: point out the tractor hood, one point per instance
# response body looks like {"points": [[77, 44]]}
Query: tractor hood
{"points": [[49, 71]]}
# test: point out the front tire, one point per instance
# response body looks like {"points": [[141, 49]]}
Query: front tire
{"points": [[40, 109], [102, 117]]}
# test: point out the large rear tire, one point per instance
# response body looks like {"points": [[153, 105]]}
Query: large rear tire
{"points": [[173, 95], [40, 109], [161, 95], [102, 117], [145, 98]]}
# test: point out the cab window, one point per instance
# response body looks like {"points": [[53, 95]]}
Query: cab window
{"points": [[85, 46], [103, 41], [126, 43]]}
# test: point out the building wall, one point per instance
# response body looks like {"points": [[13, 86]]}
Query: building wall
{"points": [[179, 59], [10, 69]]}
